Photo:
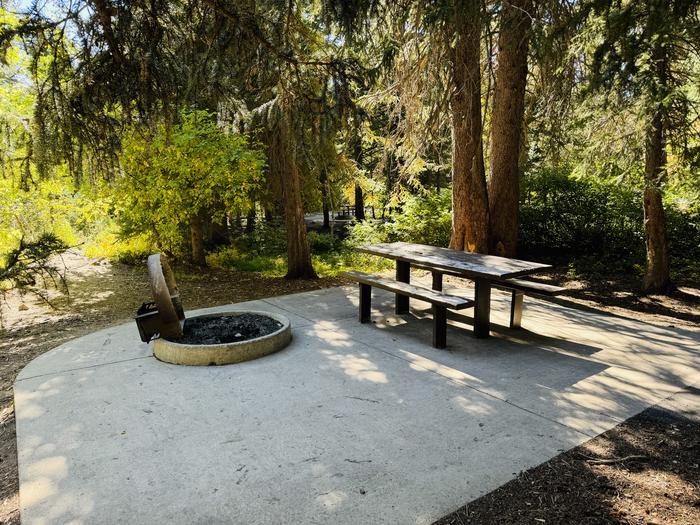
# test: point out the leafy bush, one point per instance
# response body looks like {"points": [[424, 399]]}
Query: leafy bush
{"points": [[29, 267], [562, 216], [321, 242], [370, 232], [133, 251], [684, 233], [425, 219], [598, 222], [267, 238], [176, 177], [230, 257]]}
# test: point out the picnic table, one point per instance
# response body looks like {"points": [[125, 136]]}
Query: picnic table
{"points": [[485, 270]]}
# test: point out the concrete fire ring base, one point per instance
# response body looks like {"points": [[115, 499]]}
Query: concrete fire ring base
{"points": [[227, 353]]}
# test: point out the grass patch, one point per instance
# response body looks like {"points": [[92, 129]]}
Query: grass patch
{"points": [[329, 263]]}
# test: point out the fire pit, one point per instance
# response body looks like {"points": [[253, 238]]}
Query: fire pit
{"points": [[210, 339]]}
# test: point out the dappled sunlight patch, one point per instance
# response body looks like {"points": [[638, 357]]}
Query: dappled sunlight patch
{"points": [[615, 395], [423, 364], [29, 401], [37, 490], [331, 333], [357, 366], [386, 321], [45, 449], [50, 387], [30, 409], [584, 421], [96, 297], [474, 406], [332, 499], [54, 467], [70, 507], [589, 401]]}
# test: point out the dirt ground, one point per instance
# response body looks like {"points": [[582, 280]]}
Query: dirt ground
{"points": [[643, 472], [103, 293]]}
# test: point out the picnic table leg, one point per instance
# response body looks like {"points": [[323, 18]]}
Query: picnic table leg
{"points": [[516, 309], [482, 309], [437, 281], [365, 302], [439, 326], [403, 274]]}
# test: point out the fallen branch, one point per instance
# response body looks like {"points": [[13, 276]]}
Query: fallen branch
{"points": [[612, 461]]}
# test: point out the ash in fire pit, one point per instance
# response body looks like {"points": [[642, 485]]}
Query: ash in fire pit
{"points": [[227, 328], [210, 339]]}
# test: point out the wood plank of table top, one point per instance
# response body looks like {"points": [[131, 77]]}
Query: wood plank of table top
{"points": [[467, 264]]}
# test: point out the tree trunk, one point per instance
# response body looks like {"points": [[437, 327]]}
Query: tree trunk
{"points": [[197, 241], [359, 203], [359, 197], [324, 199], [250, 219], [284, 159], [217, 232], [469, 198], [506, 126], [657, 277]]}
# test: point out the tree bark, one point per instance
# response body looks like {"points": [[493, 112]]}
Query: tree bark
{"points": [[658, 273], [657, 276], [359, 203], [469, 197], [217, 232], [250, 219], [507, 126], [197, 241], [359, 197], [324, 199], [284, 158]]}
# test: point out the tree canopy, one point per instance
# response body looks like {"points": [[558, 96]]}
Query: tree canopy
{"points": [[193, 125]]}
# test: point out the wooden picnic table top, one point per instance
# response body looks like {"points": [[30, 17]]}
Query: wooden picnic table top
{"points": [[468, 264]]}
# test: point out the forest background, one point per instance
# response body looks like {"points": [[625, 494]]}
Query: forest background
{"points": [[559, 131]]}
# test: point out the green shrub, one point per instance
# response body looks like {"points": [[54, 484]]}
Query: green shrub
{"points": [[370, 232], [562, 216], [425, 219], [598, 223], [267, 238], [230, 257], [321, 242], [684, 233], [133, 257]]}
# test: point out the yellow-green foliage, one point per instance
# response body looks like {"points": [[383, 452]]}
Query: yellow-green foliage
{"points": [[172, 176], [49, 207], [327, 264], [109, 244]]}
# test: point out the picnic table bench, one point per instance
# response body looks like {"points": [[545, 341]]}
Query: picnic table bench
{"points": [[440, 301], [485, 270], [518, 288]]}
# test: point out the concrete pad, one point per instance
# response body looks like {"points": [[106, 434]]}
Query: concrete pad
{"points": [[568, 370], [116, 344], [685, 403], [349, 424], [319, 305]]}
